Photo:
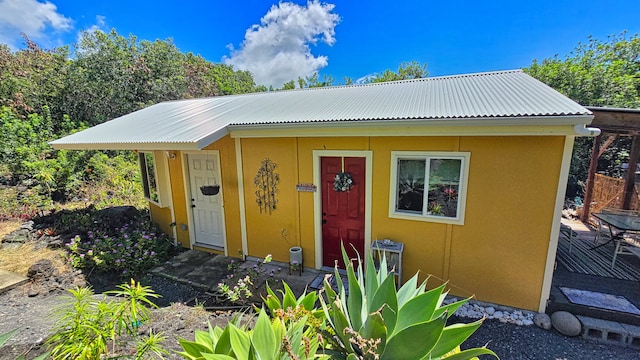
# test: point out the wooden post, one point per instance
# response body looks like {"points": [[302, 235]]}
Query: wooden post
{"points": [[630, 176], [591, 176]]}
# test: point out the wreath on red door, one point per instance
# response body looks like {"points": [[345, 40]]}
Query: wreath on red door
{"points": [[342, 182]]}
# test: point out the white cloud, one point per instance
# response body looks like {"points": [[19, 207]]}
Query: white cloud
{"points": [[99, 25], [31, 17], [277, 50]]}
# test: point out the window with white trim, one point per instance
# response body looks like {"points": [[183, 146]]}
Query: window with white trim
{"points": [[428, 186], [149, 176]]}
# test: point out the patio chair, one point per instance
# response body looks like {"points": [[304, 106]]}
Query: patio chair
{"points": [[627, 245], [568, 233]]}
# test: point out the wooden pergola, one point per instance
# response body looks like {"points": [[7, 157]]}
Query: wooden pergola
{"points": [[613, 122]]}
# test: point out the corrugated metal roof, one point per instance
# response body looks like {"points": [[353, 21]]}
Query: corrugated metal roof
{"points": [[191, 124]]}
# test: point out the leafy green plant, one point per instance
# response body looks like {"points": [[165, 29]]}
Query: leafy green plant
{"points": [[239, 286], [269, 339], [290, 308], [377, 322], [87, 328]]}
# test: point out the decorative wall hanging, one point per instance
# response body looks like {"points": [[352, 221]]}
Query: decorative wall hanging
{"points": [[266, 181], [343, 180]]}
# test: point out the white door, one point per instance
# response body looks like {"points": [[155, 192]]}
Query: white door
{"points": [[206, 209]]}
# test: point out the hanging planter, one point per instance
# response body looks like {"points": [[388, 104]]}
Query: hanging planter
{"points": [[342, 182], [209, 190]]}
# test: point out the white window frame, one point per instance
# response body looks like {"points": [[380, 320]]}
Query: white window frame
{"points": [[160, 169], [464, 157]]}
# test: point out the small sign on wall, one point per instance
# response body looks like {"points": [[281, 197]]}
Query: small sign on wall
{"points": [[304, 187]]}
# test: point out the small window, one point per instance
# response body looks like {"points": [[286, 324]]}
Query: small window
{"points": [[428, 186], [149, 183]]}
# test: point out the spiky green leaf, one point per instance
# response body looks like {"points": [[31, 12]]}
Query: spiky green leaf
{"points": [[450, 308], [418, 309], [354, 302], [453, 336], [386, 300], [414, 342], [374, 328], [408, 290], [471, 354]]}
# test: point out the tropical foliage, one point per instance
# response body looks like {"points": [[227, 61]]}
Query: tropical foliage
{"points": [[269, 339], [374, 321], [47, 94], [596, 73], [90, 328]]}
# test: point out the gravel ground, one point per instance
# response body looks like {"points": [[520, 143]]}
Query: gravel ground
{"points": [[530, 342], [30, 314]]}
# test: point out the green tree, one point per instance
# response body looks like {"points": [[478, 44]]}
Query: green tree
{"points": [[406, 70], [33, 78], [596, 73]]}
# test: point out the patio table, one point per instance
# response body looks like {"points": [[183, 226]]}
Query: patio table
{"points": [[623, 223]]}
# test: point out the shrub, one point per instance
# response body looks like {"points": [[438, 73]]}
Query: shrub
{"points": [[88, 328], [130, 249]]}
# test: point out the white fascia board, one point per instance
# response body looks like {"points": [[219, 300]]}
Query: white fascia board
{"points": [[540, 125], [125, 146], [211, 138]]}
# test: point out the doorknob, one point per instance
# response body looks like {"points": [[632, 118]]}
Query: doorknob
{"points": [[324, 221], [193, 206], [324, 213]]}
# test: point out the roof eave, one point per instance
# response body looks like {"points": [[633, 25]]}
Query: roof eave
{"points": [[454, 123], [125, 146], [198, 144]]}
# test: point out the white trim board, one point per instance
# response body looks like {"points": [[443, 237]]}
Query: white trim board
{"points": [[317, 197]]}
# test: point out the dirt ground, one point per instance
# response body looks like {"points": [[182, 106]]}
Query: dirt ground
{"points": [[32, 316]]}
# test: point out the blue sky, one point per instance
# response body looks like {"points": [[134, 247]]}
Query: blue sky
{"points": [[281, 41]]}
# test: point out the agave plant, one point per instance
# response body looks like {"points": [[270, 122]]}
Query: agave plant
{"points": [[377, 322]]}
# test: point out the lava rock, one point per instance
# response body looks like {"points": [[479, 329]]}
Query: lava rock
{"points": [[566, 323], [42, 269], [542, 321]]}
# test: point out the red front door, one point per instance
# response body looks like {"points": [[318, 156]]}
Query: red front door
{"points": [[342, 212]]}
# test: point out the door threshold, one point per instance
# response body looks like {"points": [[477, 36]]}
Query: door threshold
{"points": [[207, 246]]}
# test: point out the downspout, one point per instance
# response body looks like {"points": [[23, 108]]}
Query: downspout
{"points": [[583, 130]]}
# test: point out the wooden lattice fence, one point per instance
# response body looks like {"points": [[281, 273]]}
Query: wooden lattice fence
{"points": [[608, 193]]}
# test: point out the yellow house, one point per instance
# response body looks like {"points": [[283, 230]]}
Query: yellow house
{"points": [[468, 172]]}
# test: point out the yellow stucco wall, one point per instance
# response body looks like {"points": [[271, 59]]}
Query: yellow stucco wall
{"points": [[231, 205], [161, 217], [272, 233], [498, 255]]}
